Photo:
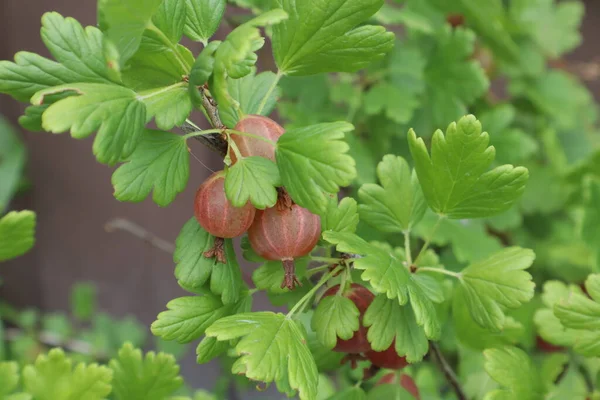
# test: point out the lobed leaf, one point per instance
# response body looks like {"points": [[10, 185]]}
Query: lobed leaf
{"points": [[313, 163], [335, 316], [17, 234], [252, 179], [271, 347], [161, 162]]}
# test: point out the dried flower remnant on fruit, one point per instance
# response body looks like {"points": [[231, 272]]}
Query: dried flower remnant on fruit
{"points": [[283, 235], [251, 146], [218, 216], [362, 299]]}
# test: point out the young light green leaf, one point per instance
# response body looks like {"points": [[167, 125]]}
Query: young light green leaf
{"points": [[252, 179], [398, 203], [203, 18], [188, 317], [78, 52], [388, 321], [193, 270], [389, 391], [170, 19], [17, 234], [9, 378], [495, 283], [455, 179], [313, 163], [116, 112], [512, 368], [53, 377], [271, 348], [548, 325], [254, 94], [342, 217], [210, 348], [12, 162], [322, 36], [382, 269], [161, 162], [236, 58], [335, 316], [154, 377], [124, 22], [581, 315]]}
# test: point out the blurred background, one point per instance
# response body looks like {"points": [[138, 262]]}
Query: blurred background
{"points": [[72, 196]]}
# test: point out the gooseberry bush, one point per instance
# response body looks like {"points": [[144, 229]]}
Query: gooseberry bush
{"points": [[417, 255]]}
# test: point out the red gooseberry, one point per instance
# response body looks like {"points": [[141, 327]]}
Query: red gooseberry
{"points": [[218, 216], [285, 234], [387, 358]]}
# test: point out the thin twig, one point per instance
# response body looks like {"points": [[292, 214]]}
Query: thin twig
{"points": [[214, 141], [448, 372], [121, 224], [51, 340]]}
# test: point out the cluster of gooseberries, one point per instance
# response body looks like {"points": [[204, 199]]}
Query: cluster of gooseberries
{"points": [[358, 346], [281, 233]]}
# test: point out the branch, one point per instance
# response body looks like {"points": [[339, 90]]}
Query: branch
{"points": [[120, 224], [447, 370], [214, 141]]}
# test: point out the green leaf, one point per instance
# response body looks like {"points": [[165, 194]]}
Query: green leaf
{"points": [[387, 273], [236, 57], [170, 19], [455, 179], [335, 316], [313, 162], [188, 317], [398, 203], [495, 283], [513, 369], [203, 18], [201, 71], [388, 321], [554, 26], [17, 234], [581, 314], [53, 377], [194, 270], [9, 378], [252, 179], [12, 162], [351, 393], [397, 104], [170, 106], [322, 36], [83, 300], [271, 348], [154, 377], [454, 79], [476, 337], [254, 94], [389, 391], [124, 22], [210, 348], [382, 269], [78, 52], [591, 217], [549, 326], [115, 111], [342, 217], [161, 162]]}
